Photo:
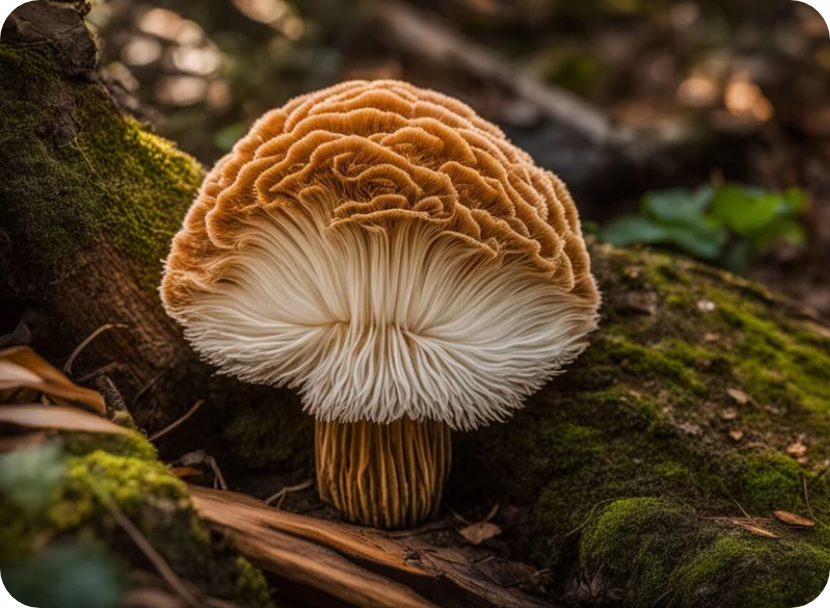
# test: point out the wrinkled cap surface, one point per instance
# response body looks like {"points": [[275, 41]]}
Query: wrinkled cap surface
{"points": [[388, 253]]}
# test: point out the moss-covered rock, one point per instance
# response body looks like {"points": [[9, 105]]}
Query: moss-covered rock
{"points": [[700, 396], [648, 552]]}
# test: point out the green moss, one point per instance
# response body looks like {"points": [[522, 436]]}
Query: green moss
{"points": [[128, 481], [16, 535], [78, 174], [655, 361], [81, 444], [251, 586], [778, 363], [653, 550], [775, 482], [639, 543], [742, 570], [645, 415], [264, 437], [79, 506]]}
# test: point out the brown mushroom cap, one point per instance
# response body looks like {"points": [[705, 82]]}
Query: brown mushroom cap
{"points": [[389, 252]]}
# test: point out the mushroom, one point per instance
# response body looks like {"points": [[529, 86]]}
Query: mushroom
{"points": [[391, 255]]}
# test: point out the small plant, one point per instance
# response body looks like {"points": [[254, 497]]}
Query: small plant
{"points": [[728, 224]]}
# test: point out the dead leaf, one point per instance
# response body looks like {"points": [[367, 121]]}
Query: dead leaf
{"points": [[710, 337], [149, 597], [740, 397], [183, 472], [794, 520], [756, 530], [797, 450], [25, 376], [690, 429], [736, 435], [479, 532], [36, 416], [729, 413], [492, 513]]}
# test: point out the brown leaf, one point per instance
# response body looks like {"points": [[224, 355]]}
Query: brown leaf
{"points": [[740, 397], [756, 530], [35, 416], [729, 413], [186, 472], [149, 597], [794, 520], [736, 435], [479, 532], [797, 449], [25, 376]]}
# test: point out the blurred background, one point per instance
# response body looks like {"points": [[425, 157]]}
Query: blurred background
{"points": [[696, 126]]}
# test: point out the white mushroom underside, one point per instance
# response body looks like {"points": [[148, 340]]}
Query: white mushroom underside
{"points": [[374, 324]]}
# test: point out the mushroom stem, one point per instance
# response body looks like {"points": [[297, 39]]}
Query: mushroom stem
{"points": [[383, 475]]}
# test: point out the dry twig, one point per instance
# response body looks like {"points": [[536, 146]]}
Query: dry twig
{"points": [[67, 367], [178, 422], [288, 490]]}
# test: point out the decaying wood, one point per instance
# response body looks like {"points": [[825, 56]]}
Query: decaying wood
{"points": [[281, 542]]}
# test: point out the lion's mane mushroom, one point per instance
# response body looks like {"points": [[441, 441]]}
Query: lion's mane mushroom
{"points": [[390, 254]]}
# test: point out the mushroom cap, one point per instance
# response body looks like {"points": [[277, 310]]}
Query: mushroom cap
{"points": [[388, 252]]}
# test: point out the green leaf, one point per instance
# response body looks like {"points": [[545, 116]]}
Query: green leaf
{"points": [[67, 576], [746, 210], [796, 200], [28, 476], [679, 206], [705, 244], [781, 231], [633, 229]]}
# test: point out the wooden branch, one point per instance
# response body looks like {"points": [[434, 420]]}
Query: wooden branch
{"points": [[280, 542], [416, 33], [322, 569]]}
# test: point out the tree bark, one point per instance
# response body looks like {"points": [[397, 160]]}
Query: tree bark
{"points": [[90, 202]]}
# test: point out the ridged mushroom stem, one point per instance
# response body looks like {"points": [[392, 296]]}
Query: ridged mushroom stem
{"points": [[383, 475]]}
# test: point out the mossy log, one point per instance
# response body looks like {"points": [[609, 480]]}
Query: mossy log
{"points": [[656, 461], [644, 476], [89, 201]]}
